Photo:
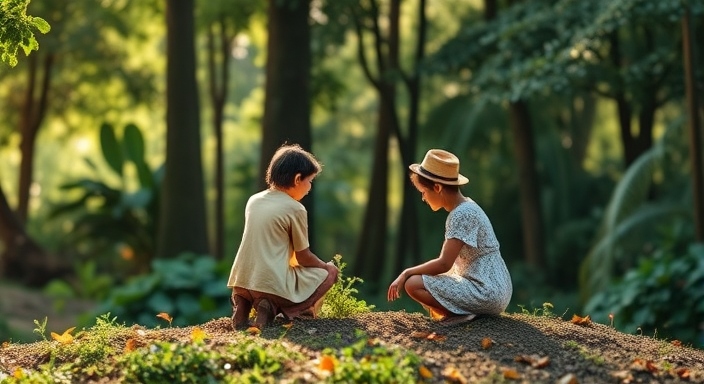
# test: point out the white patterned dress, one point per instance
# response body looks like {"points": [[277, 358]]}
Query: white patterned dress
{"points": [[478, 282]]}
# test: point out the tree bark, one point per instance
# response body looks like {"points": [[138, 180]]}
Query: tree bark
{"points": [[694, 122], [182, 225], [31, 118], [287, 89], [218, 49], [531, 213]]}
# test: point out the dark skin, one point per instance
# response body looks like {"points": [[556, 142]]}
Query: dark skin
{"points": [[410, 279]]}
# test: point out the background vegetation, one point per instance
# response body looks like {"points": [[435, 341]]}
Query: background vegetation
{"points": [[125, 153]]}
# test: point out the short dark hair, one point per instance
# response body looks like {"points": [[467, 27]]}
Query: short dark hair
{"points": [[288, 161], [424, 181]]}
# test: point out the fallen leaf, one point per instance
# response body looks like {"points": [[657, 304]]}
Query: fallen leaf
{"points": [[5, 344], [254, 331], [682, 373], [512, 374], [569, 378], [487, 343], [130, 345], [165, 316], [287, 325], [419, 334], [436, 337], [581, 320], [534, 361], [327, 363], [425, 372], [453, 375], [64, 338], [198, 335], [651, 367], [676, 343], [18, 373]]}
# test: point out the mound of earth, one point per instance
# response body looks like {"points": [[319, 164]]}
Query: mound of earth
{"points": [[508, 348]]}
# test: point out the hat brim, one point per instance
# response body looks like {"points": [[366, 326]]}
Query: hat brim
{"points": [[461, 180]]}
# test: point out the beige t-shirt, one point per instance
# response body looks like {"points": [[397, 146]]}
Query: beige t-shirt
{"points": [[275, 227]]}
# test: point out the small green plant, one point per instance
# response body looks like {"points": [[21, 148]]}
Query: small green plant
{"points": [[584, 352], [546, 310], [368, 361], [340, 301], [41, 328]]}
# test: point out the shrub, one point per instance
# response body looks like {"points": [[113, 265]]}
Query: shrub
{"points": [[662, 296], [190, 288], [341, 301]]}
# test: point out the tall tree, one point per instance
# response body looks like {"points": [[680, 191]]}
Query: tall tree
{"points": [[287, 90], [223, 20], [182, 221]]}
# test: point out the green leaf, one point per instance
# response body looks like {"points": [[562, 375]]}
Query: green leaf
{"points": [[111, 148]]}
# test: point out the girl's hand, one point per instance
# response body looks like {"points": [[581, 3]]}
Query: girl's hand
{"points": [[395, 287]]}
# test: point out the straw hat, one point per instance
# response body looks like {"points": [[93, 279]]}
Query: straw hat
{"points": [[441, 167]]}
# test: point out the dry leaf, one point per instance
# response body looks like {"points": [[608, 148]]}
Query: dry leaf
{"points": [[254, 331], [487, 343], [130, 345], [18, 373], [198, 335], [5, 344], [676, 343], [569, 378], [64, 338], [682, 373], [512, 374], [288, 325], [651, 367], [327, 363], [435, 337], [165, 316], [419, 334], [425, 372], [581, 320], [451, 374], [534, 361]]}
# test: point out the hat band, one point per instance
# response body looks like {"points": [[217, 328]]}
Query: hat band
{"points": [[437, 176]]}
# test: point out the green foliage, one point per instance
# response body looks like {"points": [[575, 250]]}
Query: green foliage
{"points": [[17, 30], [662, 296], [341, 300], [367, 361], [244, 361], [95, 345], [107, 217], [191, 288], [88, 283], [41, 328]]}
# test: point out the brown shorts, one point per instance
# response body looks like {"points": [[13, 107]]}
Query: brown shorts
{"points": [[308, 307]]}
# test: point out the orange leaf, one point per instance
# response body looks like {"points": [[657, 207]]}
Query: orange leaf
{"points": [[453, 375], [419, 334], [18, 373], [425, 372], [165, 316], [254, 331], [130, 345], [682, 373], [64, 338], [541, 363], [487, 343], [651, 367], [327, 363], [512, 374], [434, 336], [288, 325], [581, 320], [676, 343], [198, 335]]}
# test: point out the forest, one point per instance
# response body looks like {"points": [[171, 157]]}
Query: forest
{"points": [[133, 133]]}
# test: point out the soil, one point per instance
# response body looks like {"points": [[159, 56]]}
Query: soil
{"points": [[508, 348]]}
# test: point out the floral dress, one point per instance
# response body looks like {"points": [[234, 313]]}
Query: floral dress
{"points": [[478, 282]]}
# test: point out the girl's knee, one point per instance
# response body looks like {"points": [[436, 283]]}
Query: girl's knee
{"points": [[413, 284]]}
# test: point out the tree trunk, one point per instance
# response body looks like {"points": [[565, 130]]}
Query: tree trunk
{"points": [[371, 249], [695, 134], [287, 90], [22, 259], [218, 49], [31, 118], [531, 213], [182, 225]]}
